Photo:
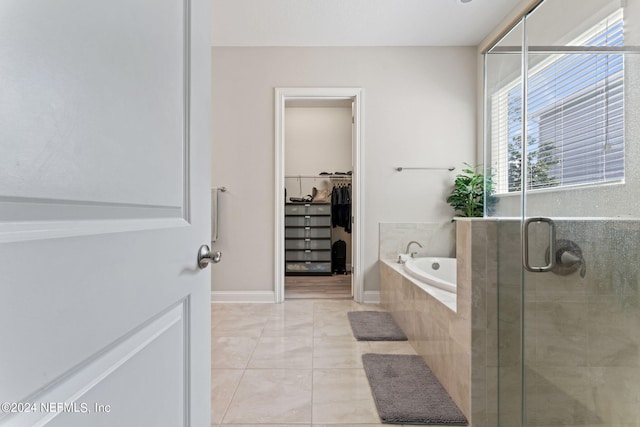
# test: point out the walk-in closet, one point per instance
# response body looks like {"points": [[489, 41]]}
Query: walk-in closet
{"points": [[318, 194]]}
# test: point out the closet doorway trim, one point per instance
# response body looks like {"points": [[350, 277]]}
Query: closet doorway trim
{"points": [[310, 94]]}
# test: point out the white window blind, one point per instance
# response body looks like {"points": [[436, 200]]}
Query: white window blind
{"points": [[575, 120]]}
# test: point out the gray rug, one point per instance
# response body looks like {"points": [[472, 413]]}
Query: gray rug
{"points": [[406, 391], [375, 326]]}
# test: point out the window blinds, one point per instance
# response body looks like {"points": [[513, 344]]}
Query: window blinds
{"points": [[575, 118]]}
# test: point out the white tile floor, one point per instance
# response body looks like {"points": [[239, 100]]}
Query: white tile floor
{"points": [[291, 363]]}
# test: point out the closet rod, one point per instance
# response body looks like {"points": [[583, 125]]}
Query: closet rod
{"points": [[319, 176], [401, 168]]}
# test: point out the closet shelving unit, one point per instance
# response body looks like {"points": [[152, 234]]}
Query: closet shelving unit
{"points": [[308, 233], [307, 238]]}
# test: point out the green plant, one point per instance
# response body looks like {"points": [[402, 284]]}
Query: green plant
{"points": [[467, 196]]}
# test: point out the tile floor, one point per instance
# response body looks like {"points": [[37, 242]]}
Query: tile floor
{"points": [[337, 286], [291, 363]]}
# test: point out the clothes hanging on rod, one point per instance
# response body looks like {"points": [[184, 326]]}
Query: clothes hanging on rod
{"points": [[341, 206]]}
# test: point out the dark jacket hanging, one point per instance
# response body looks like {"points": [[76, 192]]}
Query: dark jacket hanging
{"points": [[341, 207]]}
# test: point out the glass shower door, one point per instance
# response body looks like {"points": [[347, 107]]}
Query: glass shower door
{"points": [[503, 131], [581, 317], [563, 142]]}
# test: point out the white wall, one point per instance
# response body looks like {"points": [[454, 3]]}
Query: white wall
{"points": [[419, 110], [555, 23]]}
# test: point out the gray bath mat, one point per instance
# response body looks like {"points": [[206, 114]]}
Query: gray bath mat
{"points": [[406, 391], [375, 326]]}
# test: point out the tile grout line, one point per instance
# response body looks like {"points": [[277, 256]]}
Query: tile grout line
{"points": [[313, 352], [244, 371], [233, 395], [316, 316]]}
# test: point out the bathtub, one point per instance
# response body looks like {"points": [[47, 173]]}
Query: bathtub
{"points": [[436, 271]]}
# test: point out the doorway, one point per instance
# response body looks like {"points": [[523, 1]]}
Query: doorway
{"points": [[307, 223]]}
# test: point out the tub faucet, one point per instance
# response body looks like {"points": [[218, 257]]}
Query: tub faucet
{"points": [[569, 258], [413, 254]]}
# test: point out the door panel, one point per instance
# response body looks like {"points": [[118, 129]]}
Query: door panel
{"points": [[104, 202], [77, 89], [129, 361]]}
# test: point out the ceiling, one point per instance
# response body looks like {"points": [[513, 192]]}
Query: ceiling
{"points": [[355, 22]]}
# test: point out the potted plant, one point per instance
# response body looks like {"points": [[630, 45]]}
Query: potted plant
{"points": [[468, 194]]}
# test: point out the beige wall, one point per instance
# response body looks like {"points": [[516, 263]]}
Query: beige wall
{"points": [[317, 139], [419, 110]]}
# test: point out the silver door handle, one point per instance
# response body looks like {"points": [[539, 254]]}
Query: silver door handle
{"points": [[206, 257], [525, 245]]}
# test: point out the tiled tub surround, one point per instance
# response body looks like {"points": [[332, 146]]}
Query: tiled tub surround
{"points": [[442, 333], [436, 238]]}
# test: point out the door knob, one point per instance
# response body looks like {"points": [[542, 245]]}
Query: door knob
{"points": [[206, 256]]}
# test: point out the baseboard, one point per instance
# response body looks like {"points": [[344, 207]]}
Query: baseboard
{"points": [[243, 296], [372, 297]]}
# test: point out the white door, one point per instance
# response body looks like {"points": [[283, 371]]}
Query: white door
{"points": [[104, 176]]}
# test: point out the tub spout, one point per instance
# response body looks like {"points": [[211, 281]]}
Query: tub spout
{"points": [[409, 246]]}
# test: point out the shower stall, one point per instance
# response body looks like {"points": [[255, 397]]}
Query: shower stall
{"points": [[562, 156]]}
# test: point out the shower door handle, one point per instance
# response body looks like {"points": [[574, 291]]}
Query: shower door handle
{"points": [[525, 245]]}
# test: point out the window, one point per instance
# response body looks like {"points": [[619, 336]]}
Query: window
{"points": [[575, 110]]}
